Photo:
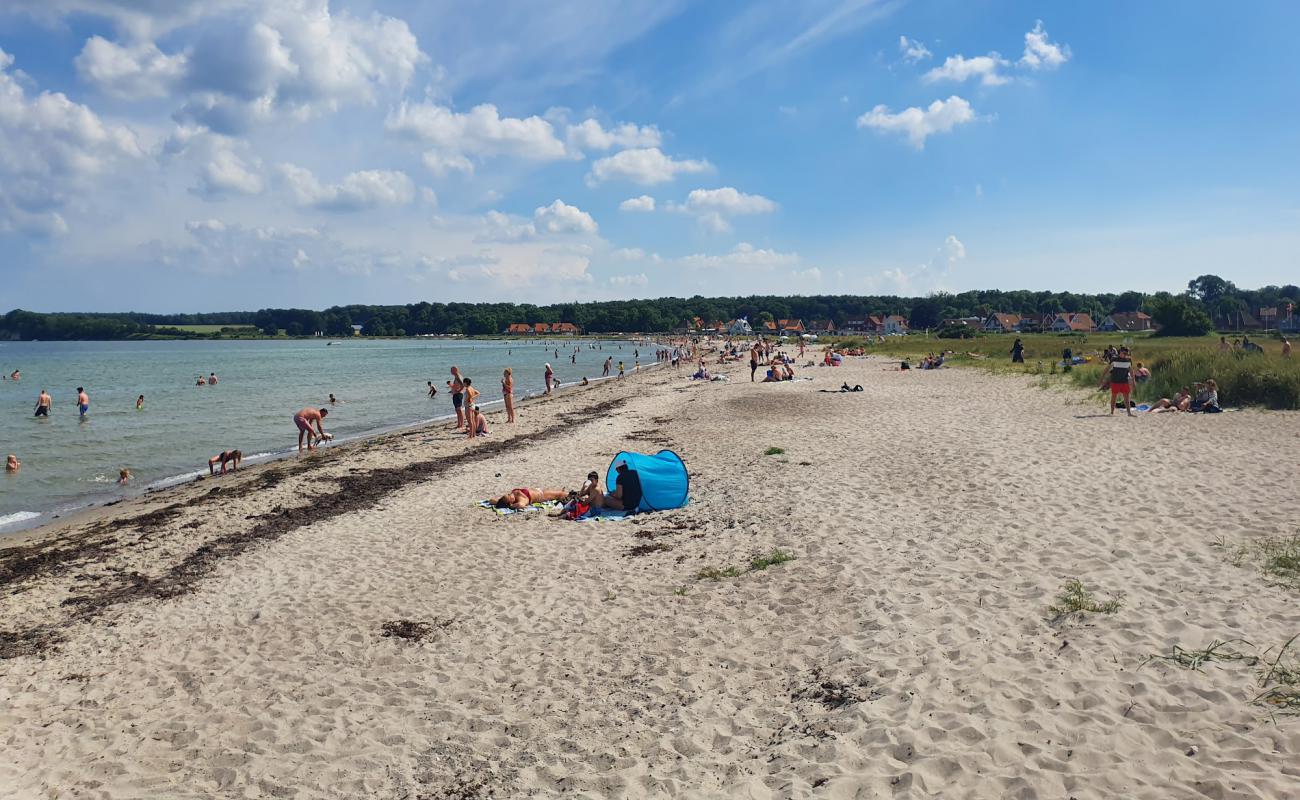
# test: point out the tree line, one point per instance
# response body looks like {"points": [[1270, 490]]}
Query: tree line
{"points": [[1207, 297]]}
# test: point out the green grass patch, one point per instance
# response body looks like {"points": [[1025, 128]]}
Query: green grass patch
{"points": [[773, 451], [756, 564], [1278, 557], [1077, 598], [1216, 650], [1278, 675]]}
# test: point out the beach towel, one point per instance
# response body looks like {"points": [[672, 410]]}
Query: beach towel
{"points": [[604, 515], [549, 505]]}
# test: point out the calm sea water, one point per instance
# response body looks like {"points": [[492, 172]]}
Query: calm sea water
{"points": [[68, 463]]}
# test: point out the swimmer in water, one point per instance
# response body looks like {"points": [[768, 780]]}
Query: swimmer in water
{"points": [[123, 477], [333, 400], [212, 379], [201, 381], [83, 402], [139, 403], [232, 457], [12, 464], [43, 404]]}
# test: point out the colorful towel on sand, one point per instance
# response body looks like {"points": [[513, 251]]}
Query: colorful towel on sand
{"points": [[549, 505], [604, 515]]}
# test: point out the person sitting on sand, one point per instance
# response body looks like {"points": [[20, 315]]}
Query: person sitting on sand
{"points": [[1165, 404], [627, 490], [304, 420], [1207, 398], [585, 382], [232, 457], [12, 464], [471, 407], [123, 477], [523, 497], [478, 420]]}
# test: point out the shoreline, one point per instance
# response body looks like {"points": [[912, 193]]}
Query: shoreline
{"points": [[74, 513]]}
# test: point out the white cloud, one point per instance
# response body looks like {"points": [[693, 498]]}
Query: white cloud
{"points": [[481, 132], [810, 275], [743, 255], [646, 166], [912, 50], [142, 19], [50, 148], [132, 72], [1040, 53], [715, 207], [589, 135], [228, 174], [357, 191], [296, 58], [628, 254], [953, 250], [959, 68], [727, 200], [923, 277], [918, 124], [442, 164], [637, 281], [643, 203], [560, 217]]}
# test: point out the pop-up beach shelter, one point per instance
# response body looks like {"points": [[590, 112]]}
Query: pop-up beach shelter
{"points": [[664, 481]]}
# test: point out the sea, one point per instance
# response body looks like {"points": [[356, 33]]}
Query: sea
{"points": [[69, 462]]}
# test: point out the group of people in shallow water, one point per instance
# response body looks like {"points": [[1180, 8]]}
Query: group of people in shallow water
{"points": [[625, 495]]}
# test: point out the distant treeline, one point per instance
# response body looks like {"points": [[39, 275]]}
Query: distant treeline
{"points": [[1206, 297]]}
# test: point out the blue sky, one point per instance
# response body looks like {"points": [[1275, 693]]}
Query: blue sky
{"points": [[194, 155]]}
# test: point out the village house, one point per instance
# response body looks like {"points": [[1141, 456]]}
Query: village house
{"points": [[974, 323], [1034, 323], [739, 327], [790, 327], [821, 327], [1127, 321], [1070, 322], [893, 324], [1001, 323]]}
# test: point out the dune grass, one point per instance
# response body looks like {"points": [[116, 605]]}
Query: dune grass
{"points": [[1251, 379], [774, 451], [1278, 675], [1077, 598], [756, 564], [1278, 557]]}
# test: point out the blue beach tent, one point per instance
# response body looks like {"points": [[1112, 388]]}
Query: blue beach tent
{"points": [[664, 482]]}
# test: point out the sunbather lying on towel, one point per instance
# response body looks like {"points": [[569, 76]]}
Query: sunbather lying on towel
{"points": [[522, 498]]}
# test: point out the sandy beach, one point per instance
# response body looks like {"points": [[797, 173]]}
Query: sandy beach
{"points": [[226, 638]]}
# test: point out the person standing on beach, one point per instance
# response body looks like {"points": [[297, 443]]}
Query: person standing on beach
{"points": [[609, 362], [550, 376], [471, 408], [83, 402], [508, 393], [43, 404], [620, 370], [753, 362], [304, 420], [1018, 352], [1121, 376], [457, 388]]}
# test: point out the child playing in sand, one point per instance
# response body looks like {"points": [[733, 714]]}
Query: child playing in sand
{"points": [[232, 457]]}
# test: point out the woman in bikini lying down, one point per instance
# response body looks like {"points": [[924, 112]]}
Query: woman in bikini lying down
{"points": [[522, 498]]}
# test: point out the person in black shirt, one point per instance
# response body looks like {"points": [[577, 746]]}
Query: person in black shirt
{"points": [[627, 489]]}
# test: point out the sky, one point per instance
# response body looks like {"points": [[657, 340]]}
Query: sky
{"points": [[205, 155]]}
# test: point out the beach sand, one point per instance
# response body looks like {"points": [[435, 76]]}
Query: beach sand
{"points": [[204, 643]]}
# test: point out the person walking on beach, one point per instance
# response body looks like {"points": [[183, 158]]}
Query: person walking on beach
{"points": [[1120, 376], [43, 404], [457, 388], [83, 402], [508, 393], [620, 370], [304, 419], [1018, 352], [609, 362], [550, 376]]}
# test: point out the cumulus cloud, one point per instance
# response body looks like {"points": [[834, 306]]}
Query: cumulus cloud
{"points": [[742, 255], [912, 50], [131, 72], [637, 281], [560, 217], [50, 147], [142, 19], [357, 191], [455, 137], [589, 135], [643, 203], [646, 166], [1042, 53], [926, 276], [960, 69], [228, 174], [715, 207], [918, 124], [294, 58]]}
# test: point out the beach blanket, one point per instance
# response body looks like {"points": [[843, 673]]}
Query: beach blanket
{"points": [[604, 515], [550, 505]]}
